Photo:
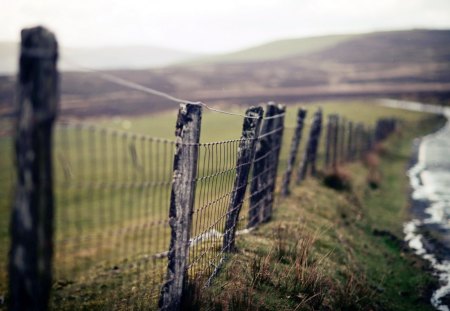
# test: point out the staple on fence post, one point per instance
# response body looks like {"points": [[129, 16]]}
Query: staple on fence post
{"points": [[181, 203], [259, 184], [301, 114], [275, 149], [31, 228], [311, 148], [245, 156]]}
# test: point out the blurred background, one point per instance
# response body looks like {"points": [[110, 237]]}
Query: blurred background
{"points": [[234, 52]]}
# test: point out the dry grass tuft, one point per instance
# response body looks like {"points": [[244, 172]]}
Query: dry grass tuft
{"points": [[289, 274]]}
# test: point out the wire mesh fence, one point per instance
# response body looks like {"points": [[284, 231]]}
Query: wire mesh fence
{"points": [[134, 215], [113, 195], [215, 187], [112, 191]]}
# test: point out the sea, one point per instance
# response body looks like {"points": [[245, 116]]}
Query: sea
{"points": [[428, 232]]}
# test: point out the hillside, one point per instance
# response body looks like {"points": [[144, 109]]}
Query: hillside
{"points": [[277, 50], [411, 64], [416, 46]]}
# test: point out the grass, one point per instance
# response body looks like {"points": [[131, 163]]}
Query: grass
{"points": [[102, 234], [332, 250]]}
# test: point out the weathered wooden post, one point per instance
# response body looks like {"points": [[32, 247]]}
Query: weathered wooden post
{"points": [[246, 153], [342, 139], [361, 141], [301, 114], [259, 185], [315, 141], [181, 203], [311, 148], [369, 139], [328, 142], [31, 227], [350, 141], [335, 141], [276, 144]]}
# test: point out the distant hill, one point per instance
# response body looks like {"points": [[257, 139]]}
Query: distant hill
{"points": [[128, 57], [414, 46], [419, 45], [277, 49], [412, 64]]}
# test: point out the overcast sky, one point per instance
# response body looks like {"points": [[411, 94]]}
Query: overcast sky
{"points": [[213, 26]]}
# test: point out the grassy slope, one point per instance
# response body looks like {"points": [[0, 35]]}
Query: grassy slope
{"points": [[215, 127], [278, 49], [349, 266]]}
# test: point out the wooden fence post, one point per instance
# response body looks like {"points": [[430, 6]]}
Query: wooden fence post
{"points": [[311, 148], [301, 114], [259, 185], [315, 141], [181, 203], [342, 140], [328, 142], [361, 141], [31, 228], [335, 141], [246, 153], [350, 141], [275, 149]]}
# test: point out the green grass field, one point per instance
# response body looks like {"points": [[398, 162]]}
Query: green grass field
{"points": [[112, 193]]}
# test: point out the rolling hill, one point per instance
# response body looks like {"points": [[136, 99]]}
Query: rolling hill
{"points": [[277, 50], [412, 64]]}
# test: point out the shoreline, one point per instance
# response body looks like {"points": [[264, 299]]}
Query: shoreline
{"points": [[428, 232]]}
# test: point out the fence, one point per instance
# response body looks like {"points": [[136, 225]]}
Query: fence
{"points": [[104, 218]]}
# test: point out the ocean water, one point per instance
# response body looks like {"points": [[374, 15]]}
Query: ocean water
{"points": [[430, 197]]}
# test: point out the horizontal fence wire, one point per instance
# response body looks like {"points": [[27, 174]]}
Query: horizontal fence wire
{"points": [[112, 192]]}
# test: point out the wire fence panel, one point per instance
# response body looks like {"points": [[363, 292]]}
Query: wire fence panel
{"points": [[112, 198], [112, 195], [215, 180]]}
